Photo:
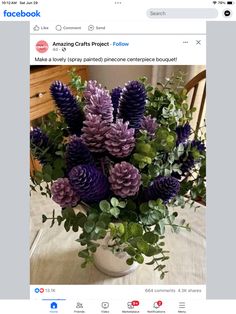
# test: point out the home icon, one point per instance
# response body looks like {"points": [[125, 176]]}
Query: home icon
{"points": [[53, 305]]}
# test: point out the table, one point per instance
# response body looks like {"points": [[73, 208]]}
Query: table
{"points": [[54, 254]]}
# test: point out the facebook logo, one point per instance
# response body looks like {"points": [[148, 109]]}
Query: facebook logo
{"points": [[21, 13]]}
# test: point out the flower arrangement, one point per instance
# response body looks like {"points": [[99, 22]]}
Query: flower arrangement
{"points": [[129, 157]]}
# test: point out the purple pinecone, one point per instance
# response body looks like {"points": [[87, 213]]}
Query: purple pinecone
{"points": [[38, 138], [68, 107], [187, 163], [63, 194], [183, 132], [90, 183], [91, 89], [132, 103], [77, 153], [94, 132], [125, 179], [115, 97], [164, 188], [199, 145], [100, 104], [39, 143], [120, 140], [150, 125]]}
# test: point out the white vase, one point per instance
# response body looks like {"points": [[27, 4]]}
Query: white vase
{"points": [[112, 264]]}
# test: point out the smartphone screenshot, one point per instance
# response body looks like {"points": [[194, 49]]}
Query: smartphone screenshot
{"points": [[120, 156]]}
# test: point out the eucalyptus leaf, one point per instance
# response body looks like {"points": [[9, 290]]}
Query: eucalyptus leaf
{"points": [[105, 206], [114, 202]]}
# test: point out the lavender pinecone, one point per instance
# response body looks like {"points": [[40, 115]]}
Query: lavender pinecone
{"points": [[125, 179], [150, 125], [63, 194], [77, 153], [183, 132], [164, 188], [94, 132], [100, 104], [132, 103], [91, 89], [120, 140], [115, 97], [68, 107], [39, 142], [90, 183]]}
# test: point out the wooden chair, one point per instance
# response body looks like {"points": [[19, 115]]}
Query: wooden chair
{"points": [[193, 87]]}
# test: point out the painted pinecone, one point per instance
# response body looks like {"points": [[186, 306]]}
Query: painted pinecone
{"points": [[39, 143], [199, 145], [89, 182], [187, 163], [120, 140], [94, 132], [115, 97], [63, 194], [100, 104], [38, 138], [125, 179], [150, 125], [183, 132], [68, 107], [91, 89], [132, 103], [77, 153], [164, 188]]}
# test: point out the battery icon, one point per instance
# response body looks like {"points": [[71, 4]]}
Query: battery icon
{"points": [[229, 2]]}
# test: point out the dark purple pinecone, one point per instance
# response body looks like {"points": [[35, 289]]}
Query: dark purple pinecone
{"points": [[132, 103], [187, 163], [39, 143], [94, 132], [68, 107], [38, 138], [125, 179], [77, 153], [199, 145], [164, 188], [115, 97], [63, 194], [90, 183], [183, 132], [120, 140]]}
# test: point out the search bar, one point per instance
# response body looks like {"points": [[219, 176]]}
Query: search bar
{"points": [[183, 13]]}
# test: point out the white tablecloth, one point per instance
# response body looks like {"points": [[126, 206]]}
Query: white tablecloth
{"points": [[55, 260]]}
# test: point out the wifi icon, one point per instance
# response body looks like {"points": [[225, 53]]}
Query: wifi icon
{"points": [[214, 2]]}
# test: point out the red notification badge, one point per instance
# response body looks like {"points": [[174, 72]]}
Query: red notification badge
{"points": [[135, 303]]}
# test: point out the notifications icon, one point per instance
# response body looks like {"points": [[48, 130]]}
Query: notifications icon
{"points": [[157, 304]]}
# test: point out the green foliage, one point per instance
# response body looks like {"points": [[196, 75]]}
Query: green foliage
{"points": [[113, 207], [165, 139], [167, 102], [77, 83]]}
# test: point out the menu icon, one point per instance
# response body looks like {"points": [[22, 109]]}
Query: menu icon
{"points": [[182, 305]]}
